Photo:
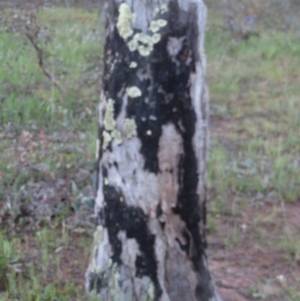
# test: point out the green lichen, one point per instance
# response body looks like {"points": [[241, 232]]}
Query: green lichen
{"points": [[161, 23], [109, 122], [156, 25], [156, 38], [145, 50], [129, 128], [106, 140], [133, 45], [98, 236], [144, 38], [134, 92], [163, 8], [150, 292], [126, 17], [133, 65], [156, 12], [110, 133], [141, 42], [116, 135]]}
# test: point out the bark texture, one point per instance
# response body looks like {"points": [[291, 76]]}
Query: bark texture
{"points": [[153, 133]]}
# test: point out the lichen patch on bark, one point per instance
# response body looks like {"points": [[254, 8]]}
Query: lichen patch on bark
{"points": [[129, 128], [126, 17]]}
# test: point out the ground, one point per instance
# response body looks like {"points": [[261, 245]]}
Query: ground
{"points": [[47, 159]]}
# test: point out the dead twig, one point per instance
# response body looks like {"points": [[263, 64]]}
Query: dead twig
{"points": [[40, 56]]}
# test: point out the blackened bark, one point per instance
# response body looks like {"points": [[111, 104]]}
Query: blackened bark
{"points": [[153, 131]]}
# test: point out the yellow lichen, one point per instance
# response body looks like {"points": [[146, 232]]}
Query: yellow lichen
{"points": [[133, 92], [109, 122], [126, 17], [129, 128]]}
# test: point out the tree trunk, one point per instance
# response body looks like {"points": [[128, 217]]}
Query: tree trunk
{"points": [[153, 133]]}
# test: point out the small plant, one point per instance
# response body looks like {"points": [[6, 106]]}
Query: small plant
{"points": [[293, 294], [4, 261], [291, 245]]}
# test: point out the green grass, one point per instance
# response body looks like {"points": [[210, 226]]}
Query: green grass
{"points": [[255, 89], [254, 154], [42, 276], [27, 93], [29, 103]]}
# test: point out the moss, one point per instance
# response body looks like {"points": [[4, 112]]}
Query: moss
{"points": [[129, 128]]}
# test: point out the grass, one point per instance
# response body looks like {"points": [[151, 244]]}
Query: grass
{"points": [[40, 273], [73, 47], [48, 135], [254, 88]]}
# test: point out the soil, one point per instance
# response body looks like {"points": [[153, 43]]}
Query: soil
{"points": [[255, 267]]}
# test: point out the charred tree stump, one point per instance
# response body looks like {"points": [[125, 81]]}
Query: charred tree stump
{"points": [[153, 135]]}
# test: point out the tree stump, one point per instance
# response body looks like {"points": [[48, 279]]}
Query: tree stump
{"points": [[153, 138]]}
